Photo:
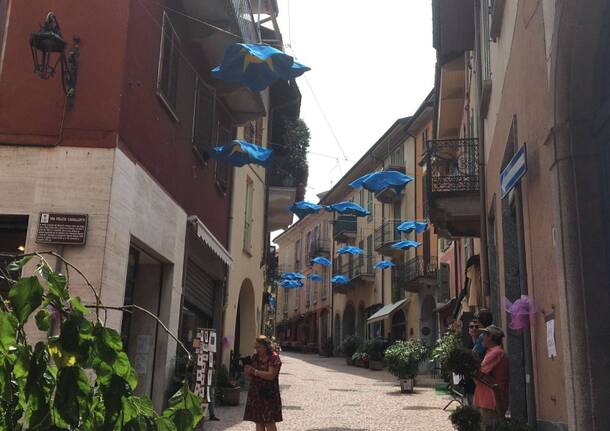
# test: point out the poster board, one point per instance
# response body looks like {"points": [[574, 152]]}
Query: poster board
{"points": [[204, 344]]}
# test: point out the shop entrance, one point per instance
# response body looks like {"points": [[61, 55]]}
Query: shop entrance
{"points": [[139, 332]]}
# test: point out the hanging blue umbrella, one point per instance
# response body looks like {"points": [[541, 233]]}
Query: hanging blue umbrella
{"points": [[257, 66], [314, 277], [320, 261], [412, 225], [350, 249], [403, 245], [384, 264], [292, 276], [348, 208], [240, 153], [340, 279], [378, 181], [291, 284], [303, 208]]}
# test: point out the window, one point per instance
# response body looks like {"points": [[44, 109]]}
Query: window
{"points": [[204, 119], [424, 139], [487, 17], [397, 158], [309, 246], [361, 197], [169, 59], [285, 307], [248, 216], [369, 205], [222, 169], [297, 255], [369, 254], [253, 132]]}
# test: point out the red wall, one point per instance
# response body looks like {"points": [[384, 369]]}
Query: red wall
{"points": [[31, 108], [116, 102]]}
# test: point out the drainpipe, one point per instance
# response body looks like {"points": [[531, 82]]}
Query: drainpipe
{"points": [[481, 133]]}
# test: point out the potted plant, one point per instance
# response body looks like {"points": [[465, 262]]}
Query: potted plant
{"points": [[444, 346], [350, 346], [374, 349], [228, 389], [466, 418], [360, 359], [403, 359]]}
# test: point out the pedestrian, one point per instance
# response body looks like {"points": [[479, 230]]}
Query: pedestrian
{"points": [[212, 401], [491, 393], [484, 319], [469, 384], [264, 405]]}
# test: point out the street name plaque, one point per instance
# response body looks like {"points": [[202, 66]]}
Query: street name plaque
{"points": [[69, 229]]}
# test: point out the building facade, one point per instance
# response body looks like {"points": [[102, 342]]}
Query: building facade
{"points": [[130, 151], [526, 76]]}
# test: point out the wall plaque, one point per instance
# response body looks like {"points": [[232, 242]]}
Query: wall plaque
{"points": [[55, 228]]}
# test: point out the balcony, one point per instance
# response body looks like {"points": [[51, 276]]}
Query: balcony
{"points": [[453, 188], [389, 195], [453, 27], [228, 18], [415, 273], [386, 236], [344, 228], [319, 247], [358, 269]]}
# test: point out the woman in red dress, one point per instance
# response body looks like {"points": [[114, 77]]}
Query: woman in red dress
{"points": [[264, 405]]}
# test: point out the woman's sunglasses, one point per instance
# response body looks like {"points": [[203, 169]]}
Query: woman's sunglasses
{"points": [[474, 326]]}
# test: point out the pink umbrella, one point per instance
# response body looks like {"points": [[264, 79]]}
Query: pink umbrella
{"points": [[520, 312]]}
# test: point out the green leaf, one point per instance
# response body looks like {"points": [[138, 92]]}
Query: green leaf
{"points": [[165, 424], [107, 339], [77, 305], [18, 264], [57, 284], [72, 395], [76, 337], [38, 389], [8, 331], [25, 297], [184, 409], [123, 369], [43, 320], [134, 407], [113, 391]]}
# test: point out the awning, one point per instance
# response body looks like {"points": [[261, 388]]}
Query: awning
{"points": [[445, 307], [210, 240], [386, 310]]}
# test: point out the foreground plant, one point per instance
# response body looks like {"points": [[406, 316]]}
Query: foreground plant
{"points": [[79, 377]]}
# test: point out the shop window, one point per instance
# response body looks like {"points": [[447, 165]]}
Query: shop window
{"points": [[248, 221], [169, 60]]}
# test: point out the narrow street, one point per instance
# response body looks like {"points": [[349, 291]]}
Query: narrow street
{"points": [[324, 394]]}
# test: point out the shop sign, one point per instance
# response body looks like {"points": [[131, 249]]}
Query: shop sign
{"points": [[514, 171], [56, 228]]}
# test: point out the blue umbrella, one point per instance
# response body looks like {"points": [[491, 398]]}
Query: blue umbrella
{"points": [[403, 245], [314, 277], [240, 153], [377, 181], [302, 208], [293, 276], [351, 250], [257, 66], [384, 264], [412, 225], [340, 279], [291, 284], [321, 261], [348, 208]]}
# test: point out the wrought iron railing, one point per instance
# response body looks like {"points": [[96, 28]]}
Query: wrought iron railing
{"points": [[415, 268], [356, 266], [453, 165], [344, 224], [245, 20], [387, 233]]}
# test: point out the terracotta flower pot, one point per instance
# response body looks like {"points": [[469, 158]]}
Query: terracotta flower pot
{"points": [[407, 385]]}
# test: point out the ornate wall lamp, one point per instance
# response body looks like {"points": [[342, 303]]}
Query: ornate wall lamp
{"points": [[49, 50]]}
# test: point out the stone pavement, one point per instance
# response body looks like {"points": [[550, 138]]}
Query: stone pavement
{"points": [[324, 394]]}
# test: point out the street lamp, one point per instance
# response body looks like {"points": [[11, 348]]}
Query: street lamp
{"points": [[49, 50]]}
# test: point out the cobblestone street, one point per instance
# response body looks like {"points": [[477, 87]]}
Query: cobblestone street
{"points": [[324, 394]]}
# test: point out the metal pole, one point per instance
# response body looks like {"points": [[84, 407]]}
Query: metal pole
{"points": [[332, 290]]}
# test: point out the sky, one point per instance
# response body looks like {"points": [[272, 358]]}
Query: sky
{"points": [[372, 63]]}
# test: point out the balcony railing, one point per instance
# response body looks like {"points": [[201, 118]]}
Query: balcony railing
{"points": [[245, 20], [387, 234], [344, 226], [409, 272], [319, 247], [453, 165]]}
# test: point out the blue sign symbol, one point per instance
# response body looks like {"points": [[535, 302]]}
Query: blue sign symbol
{"points": [[514, 171]]}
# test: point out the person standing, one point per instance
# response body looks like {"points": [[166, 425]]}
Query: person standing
{"points": [[491, 393], [264, 404], [484, 319], [469, 384]]}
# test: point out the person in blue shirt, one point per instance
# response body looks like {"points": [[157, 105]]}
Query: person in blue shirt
{"points": [[485, 319]]}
